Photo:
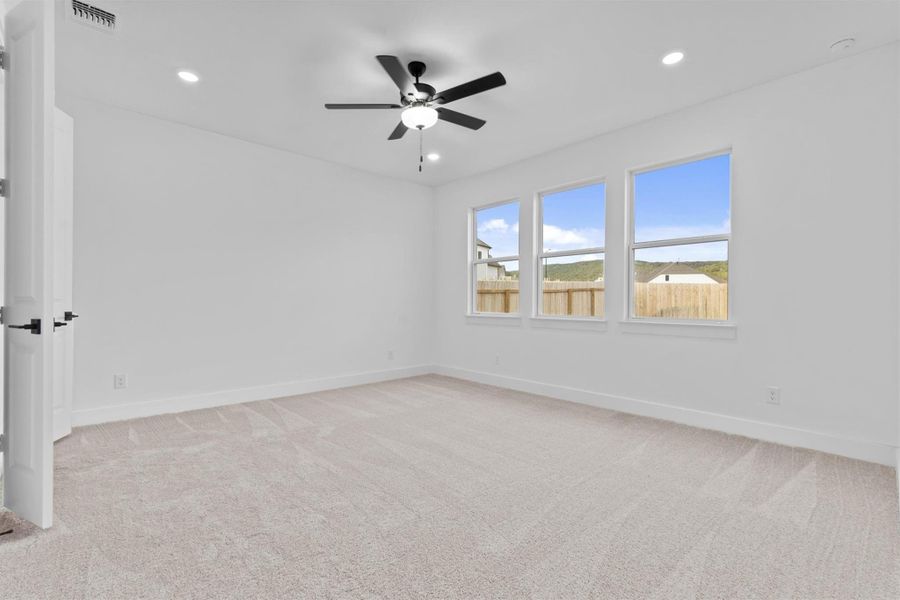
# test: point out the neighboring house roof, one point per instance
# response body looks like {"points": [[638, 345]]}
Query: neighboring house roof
{"points": [[647, 275], [495, 264], [478, 242]]}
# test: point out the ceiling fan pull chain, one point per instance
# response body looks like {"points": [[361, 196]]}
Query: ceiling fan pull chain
{"points": [[421, 160]]}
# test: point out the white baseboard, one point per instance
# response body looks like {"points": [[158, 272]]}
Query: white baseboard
{"points": [[897, 469], [885, 454], [875, 452], [121, 412]]}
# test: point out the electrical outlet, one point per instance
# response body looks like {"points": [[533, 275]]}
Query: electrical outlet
{"points": [[390, 355], [773, 395], [120, 382]]}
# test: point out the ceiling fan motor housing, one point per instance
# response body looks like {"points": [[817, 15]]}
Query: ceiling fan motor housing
{"points": [[423, 92], [416, 68]]}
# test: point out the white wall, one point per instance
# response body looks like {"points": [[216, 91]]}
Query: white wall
{"points": [[200, 272], [815, 159], [212, 270]]}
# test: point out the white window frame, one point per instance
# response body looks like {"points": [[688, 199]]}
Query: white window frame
{"points": [[633, 246], [540, 255], [474, 261]]}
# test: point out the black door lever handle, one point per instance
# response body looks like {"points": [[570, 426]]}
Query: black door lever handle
{"points": [[34, 326], [58, 324], [69, 315]]}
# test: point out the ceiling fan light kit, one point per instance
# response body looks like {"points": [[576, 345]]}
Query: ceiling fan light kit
{"points": [[419, 117], [422, 104]]}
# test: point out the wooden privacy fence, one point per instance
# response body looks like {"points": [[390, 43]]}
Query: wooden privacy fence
{"points": [[576, 298], [681, 300], [498, 296], [587, 299]]}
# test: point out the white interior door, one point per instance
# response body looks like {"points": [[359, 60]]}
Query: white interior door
{"points": [[63, 209], [28, 305]]}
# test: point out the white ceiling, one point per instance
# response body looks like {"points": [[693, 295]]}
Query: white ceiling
{"points": [[574, 69]]}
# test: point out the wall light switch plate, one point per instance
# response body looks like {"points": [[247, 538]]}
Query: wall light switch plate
{"points": [[120, 382]]}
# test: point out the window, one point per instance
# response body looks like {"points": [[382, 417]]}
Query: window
{"points": [[571, 257], [681, 229], [494, 270]]}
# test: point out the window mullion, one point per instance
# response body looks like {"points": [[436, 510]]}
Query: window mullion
{"points": [[687, 241], [482, 261], [560, 253]]}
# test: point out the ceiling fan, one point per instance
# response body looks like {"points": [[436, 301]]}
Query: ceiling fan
{"points": [[422, 105]]}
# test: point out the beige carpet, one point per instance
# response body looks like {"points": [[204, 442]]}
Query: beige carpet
{"points": [[433, 487]]}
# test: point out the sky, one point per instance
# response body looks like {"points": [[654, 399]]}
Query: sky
{"points": [[684, 200], [498, 226], [575, 218]]}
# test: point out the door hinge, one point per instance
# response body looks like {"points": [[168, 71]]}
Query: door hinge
{"points": [[4, 58], [1, 314], [4, 185], [2, 442]]}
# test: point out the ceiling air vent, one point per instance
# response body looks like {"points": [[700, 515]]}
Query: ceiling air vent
{"points": [[93, 16]]}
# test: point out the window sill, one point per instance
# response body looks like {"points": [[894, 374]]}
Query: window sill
{"points": [[723, 331], [569, 323], [510, 320]]}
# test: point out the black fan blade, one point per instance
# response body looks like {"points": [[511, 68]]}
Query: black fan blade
{"points": [[346, 106], [458, 118], [397, 72], [398, 131], [476, 86]]}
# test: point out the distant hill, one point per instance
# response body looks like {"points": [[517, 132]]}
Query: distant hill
{"points": [[591, 270], [717, 269], [586, 270]]}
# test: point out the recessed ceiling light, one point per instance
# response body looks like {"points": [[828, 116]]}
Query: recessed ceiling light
{"points": [[844, 44], [433, 156], [673, 58], [189, 76]]}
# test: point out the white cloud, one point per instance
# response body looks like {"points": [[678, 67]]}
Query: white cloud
{"points": [[495, 226], [501, 235], [557, 238]]}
